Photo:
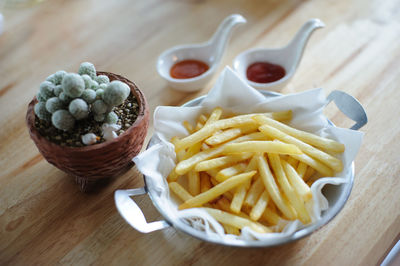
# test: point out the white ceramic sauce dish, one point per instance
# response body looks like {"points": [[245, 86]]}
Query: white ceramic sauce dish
{"points": [[288, 57], [209, 52]]}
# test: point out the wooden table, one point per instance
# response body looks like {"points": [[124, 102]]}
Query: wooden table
{"points": [[45, 219]]}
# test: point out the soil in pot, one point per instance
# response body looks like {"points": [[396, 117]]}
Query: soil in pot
{"points": [[127, 114]]}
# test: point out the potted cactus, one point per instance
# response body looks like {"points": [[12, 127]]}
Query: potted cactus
{"points": [[89, 124]]}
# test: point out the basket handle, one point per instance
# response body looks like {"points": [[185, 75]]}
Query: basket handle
{"points": [[349, 106], [133, 214]]}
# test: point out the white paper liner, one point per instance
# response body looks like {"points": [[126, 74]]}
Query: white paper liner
{"points": [[233, 94]]}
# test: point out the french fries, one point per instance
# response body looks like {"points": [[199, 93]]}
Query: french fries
{"points": [[241, 191], [307, 137], [260, 206], [328, 159], [288, 189], [216, 191], [236, 221], [229, 134], [262, 146], [221, 161], [250, 170]]}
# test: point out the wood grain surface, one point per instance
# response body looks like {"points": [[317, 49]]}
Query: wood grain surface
{"points": [[46, 220]]}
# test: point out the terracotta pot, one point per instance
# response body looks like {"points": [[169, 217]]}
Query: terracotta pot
{"points": [[94, 163]]}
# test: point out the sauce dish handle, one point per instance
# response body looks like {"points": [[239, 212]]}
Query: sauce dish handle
{"points": [[133, 214], [349, 106]]}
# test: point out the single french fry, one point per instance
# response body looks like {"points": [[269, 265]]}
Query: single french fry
{"points": [[214, 183], [221, 161], [254, 192], [293, 162], [184, 166], [260, 206], [273, 190], [216, 191], [226, 173], [205, 183], [304, 136], [208, 130], [236, 221], [241, 191], [194, 182], [214, 116], [288, 190], [262, 146], [271, 216], [188, 127], [229, 134], [327, 159], [239, 196], [296, 181], [301, 169], [182, 193]]}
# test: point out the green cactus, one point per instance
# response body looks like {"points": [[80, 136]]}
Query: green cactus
{"points": [[46, 89], [103, 86], [79, 109], [99, 94], [53, 104], [87, 79], [57, 77], [73, 85], [116, 93], [83, 94], [57, 90], [89, 95], [102, 79], [99, 107], [88, 69], [40, 98], [111, 118], [89, 82], [52, 78], [41, 112], [94, 85], [63, 120], [64, 98]]}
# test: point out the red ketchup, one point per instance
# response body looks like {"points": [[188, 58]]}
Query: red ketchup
{"points": [[264, 72], [188, 69]]}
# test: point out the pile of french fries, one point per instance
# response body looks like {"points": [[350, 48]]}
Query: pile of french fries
{"points": [[251, 170]]}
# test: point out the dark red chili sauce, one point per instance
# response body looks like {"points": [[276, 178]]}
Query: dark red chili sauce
{"points": [[264, 72], [188, 69]]}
